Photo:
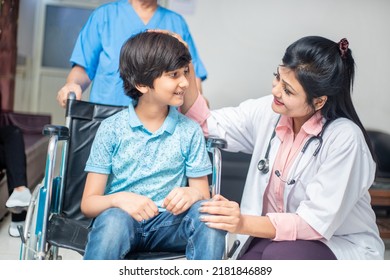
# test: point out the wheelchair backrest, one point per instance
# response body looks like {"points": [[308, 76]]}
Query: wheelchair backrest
{"points": [[233, 174], [84, 119]]}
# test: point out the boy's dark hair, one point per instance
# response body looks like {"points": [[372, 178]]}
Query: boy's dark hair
{"points": [[146, 56]]}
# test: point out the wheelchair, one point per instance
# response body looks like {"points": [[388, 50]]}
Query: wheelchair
{"points": [[54, 219]]}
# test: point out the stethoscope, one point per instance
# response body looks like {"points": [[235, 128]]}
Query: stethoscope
{"points": [[263, 164]]}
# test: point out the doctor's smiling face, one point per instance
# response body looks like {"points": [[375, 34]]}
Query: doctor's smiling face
{"points": [[290, 98]]}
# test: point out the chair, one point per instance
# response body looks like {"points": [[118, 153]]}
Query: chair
{"points": [[54, 219], [380, 190]]}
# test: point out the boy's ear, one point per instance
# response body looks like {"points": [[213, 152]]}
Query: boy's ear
{"points": [[319, 102], [142, 88]]}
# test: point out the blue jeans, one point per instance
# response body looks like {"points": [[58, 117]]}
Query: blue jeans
{"points": [[115, 233]]}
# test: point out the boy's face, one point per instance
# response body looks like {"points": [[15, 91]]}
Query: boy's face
{"points": [[169, 89]]}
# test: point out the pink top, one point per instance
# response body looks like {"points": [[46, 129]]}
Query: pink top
{"points": [[289, 149], [289, 226]]}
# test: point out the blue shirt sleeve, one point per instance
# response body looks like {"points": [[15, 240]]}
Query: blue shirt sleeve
{"points": [[89, 45], [198, 162]]}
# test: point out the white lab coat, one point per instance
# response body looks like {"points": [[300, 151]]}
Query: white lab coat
{"points": [[331, 194]]}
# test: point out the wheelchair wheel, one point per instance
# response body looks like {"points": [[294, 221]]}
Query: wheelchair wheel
{"points": [[34, 245], [28, 250]]}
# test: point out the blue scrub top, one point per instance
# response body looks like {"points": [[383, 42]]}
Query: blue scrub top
{"points": [[98, 46]]}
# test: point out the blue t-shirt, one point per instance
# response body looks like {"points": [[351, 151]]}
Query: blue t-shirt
{"points": [[98, 46], [149, 164]]}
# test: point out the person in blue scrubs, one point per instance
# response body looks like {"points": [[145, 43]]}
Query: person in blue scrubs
{"points": [[96, 54]]}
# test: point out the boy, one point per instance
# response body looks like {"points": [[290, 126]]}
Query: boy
{"points": [[141, 158]]}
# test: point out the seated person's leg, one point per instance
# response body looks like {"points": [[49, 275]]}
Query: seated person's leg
{"points": [[184, 232], [15, 163], [161, 234], [13, 159], [266, 249], [113, 234], [204, 243]]}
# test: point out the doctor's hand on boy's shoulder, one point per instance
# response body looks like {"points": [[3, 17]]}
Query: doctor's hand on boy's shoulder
{"points": [[140, 207]]}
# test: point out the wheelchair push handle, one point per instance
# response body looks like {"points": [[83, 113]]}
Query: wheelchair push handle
{"points": [[72, 95], [216, 143]]}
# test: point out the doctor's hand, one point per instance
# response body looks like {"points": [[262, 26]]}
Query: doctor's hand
{"points": [[175, 35], [181, 199], [137, 206], [221, 213]]}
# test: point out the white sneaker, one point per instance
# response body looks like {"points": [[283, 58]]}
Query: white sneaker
{"points": [[13, 228], [19, 198]]}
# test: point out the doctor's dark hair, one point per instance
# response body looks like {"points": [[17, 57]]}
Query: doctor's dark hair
{"points": [[324, 67], [146, 56]]}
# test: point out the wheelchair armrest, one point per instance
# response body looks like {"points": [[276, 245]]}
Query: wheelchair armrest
{"points": [[216, 143], [61, 131]]}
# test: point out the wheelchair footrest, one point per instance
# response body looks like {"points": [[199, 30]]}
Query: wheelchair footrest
{"points": [[67, 233]]}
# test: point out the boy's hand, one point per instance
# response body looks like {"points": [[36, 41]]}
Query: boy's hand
{"points": [[181, 199], [138, 206]]}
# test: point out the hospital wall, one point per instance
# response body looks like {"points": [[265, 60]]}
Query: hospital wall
{"points": [[242, 41]]}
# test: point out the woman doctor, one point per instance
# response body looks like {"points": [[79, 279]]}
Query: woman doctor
{"points": [[306, 194]]}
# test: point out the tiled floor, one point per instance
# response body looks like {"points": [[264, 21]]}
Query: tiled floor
{"points": [[10, 246]]}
